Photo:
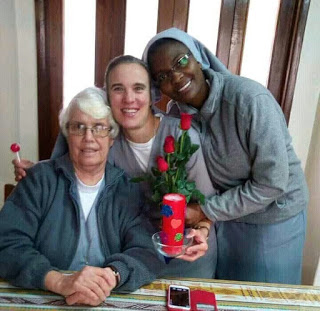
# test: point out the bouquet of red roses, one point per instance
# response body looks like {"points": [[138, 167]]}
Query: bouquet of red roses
{"points": [[170, 175]]}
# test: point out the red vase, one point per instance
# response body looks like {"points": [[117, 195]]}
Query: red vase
{"points": [[173, 211]]}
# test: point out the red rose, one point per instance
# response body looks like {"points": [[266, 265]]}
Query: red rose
{"points": [[185, 121], [162, 164], [168, 146]]}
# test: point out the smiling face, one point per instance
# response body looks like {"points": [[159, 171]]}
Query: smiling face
{"points": [[129, 96], [187, 82], [88, 153]]}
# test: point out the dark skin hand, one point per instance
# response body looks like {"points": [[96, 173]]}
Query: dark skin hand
{"points": [[194, 214]]}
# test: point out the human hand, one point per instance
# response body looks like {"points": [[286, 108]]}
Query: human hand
{"points": [[20, 168], [194, 214], [198, 248], [110, 282], [89, 286]]}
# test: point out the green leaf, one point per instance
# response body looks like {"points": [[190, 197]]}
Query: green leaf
{"points": [[187, 143], [156, 197], [155, 171], [188, 197], [197, 195], [191, 186], [193, 149]]}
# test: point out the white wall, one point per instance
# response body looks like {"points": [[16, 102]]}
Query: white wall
{"points": [[303, 122], [18, 84], [307, 86], [312, 247]]}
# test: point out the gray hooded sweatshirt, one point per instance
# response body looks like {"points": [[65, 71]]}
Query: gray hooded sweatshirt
{"points": [[246, 145]]}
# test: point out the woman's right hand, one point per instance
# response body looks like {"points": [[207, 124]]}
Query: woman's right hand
{"points": [[90, 286], [198, 248], [20, 168]]}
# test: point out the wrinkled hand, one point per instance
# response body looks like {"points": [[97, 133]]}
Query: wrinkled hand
{"points": [[20, 168], [198, 248], [90, 286], [194, 214]]}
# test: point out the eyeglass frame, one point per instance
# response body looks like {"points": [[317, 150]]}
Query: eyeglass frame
{"points": [[85, 128], [168, 74]]}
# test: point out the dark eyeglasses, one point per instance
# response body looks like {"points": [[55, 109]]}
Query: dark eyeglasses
{"points": [[79, 129], [178, 66]]}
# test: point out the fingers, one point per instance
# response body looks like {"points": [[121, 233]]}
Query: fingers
{"points": [[194, 252], [199, 235], [103, 277], [97, 280], [23, 163], [20, 168], [90, 286], [19, 174], [191, 257], [110, 277], [79, 298], [86, 286], [198, 249], [97, 289], [93, 286]]}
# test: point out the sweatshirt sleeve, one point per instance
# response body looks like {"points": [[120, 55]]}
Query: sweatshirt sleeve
{"points": [[138, 263], [20, 262], [266, 133]]}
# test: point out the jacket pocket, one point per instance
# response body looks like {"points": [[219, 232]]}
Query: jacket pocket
{"points": [[282, 201]]}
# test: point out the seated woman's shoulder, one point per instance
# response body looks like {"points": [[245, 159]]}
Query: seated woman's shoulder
{"points": [[42, 166]]}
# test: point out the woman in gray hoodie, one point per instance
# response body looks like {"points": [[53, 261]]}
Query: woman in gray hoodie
{"points": [[261, 208]]}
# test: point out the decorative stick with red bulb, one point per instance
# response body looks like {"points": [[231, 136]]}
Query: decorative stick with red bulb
{"points": [[16, 148]]}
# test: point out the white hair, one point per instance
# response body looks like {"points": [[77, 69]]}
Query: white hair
{"points": [[93, 102]]}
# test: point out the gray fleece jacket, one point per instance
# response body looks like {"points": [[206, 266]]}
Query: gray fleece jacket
{"points": [[39, 227]]}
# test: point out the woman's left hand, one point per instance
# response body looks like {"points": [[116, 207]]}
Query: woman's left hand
{"points": [[198, 248]]}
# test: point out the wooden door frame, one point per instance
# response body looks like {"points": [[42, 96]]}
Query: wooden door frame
{"points": [[286, 52], [110, 34], [49, 34]]}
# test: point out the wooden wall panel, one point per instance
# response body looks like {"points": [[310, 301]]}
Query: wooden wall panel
{"points": [[232, 29], [110, 34], [238, 36], [110, 40], [49, 32], [173, 13], [225, 30], [286, 51]]}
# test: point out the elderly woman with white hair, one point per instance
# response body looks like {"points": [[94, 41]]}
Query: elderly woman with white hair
{"points": [[77, 213]]}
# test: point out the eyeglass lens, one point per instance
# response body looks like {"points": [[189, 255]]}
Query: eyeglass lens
{"points": [[81, 129], [182, 62]]}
